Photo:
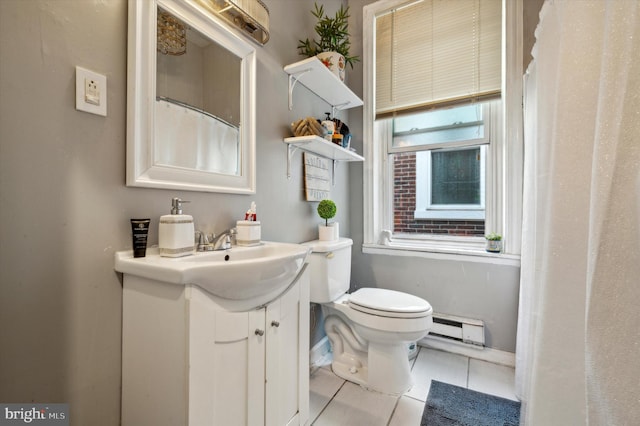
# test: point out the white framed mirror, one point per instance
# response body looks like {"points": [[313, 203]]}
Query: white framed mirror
{"points": [[190, 100]]}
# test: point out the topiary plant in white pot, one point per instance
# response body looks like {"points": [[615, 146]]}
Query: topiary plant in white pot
{"points": [[329, 231]]}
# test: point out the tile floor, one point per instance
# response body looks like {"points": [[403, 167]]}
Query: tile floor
{"points": [[336, 402]]}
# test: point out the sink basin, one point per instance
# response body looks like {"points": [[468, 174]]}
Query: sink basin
{"points": [[239, 273]]}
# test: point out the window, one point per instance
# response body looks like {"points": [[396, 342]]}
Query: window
{"points": [[450, 184], [455, 179], [440, 171]]}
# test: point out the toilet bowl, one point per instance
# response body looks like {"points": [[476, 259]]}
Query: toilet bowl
{"points": [[369, 329]]}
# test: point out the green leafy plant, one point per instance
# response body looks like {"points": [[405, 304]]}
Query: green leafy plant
{"points": [[333, 33], [493, 237], [327, 210]]}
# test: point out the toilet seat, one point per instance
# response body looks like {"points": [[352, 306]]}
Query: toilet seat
{"points": [[389, 303]]}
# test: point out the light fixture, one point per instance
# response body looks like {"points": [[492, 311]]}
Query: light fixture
{"points": [[250, 16], [171, 35]]}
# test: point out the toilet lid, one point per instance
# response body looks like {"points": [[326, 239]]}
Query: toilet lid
{"points": [[389, 303]]}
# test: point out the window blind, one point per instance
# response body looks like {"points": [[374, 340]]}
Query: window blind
{"points": [[437, 53]]}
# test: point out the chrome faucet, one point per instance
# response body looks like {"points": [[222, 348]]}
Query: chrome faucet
{"points": [[223, 240], [211, 242]]}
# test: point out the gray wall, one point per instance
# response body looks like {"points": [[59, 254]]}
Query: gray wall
{"points": [[65, 209], [531, 11]]}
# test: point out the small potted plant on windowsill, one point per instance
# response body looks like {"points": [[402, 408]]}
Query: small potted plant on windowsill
{"points": [[329, 231], [333, 47], [494, 242]]}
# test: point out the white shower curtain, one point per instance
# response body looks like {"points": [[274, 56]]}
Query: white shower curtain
{"points": [[578, 350], [188, 138]]}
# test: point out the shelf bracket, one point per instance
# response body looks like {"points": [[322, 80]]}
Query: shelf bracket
{"points": [[333, 175], [293, 79], [334, 107], [291, 149]]}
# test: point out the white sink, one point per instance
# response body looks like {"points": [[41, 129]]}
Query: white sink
{"points": [[239, 273]]}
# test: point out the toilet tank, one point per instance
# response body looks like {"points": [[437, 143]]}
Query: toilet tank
{"points": [[330, 269]]}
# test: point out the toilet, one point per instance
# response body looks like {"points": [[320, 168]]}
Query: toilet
{"points": [[370, 329]]}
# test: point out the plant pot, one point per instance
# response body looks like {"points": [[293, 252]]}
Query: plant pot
{"points": [[334, 61], [494, 246], [329, 233]]}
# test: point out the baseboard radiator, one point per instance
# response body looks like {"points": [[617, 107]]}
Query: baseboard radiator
{"points": [[465, 330]]}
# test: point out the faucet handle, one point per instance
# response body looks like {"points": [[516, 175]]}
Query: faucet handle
{"points": [[233, 235], [203, 241]]}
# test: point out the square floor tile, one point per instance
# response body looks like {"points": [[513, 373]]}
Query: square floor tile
{"points": [[494, 379], [437, 365], [408, 412], [355, 406], [323, 385]]}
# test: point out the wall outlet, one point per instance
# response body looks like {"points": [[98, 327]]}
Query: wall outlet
{"points": [[91, 92]]}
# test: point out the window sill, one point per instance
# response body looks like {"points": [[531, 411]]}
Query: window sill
{"points": [[442, 251], [433, 214]]}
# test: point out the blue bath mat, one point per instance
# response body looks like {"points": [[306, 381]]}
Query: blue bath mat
{"points": [[449, 405]]}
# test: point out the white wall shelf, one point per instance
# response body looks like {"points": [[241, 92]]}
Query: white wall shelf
{"points": [[319, 146], [316, 77], [323, 147]]}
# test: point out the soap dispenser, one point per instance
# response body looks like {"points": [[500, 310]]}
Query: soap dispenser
{"points": [[176, 232]]}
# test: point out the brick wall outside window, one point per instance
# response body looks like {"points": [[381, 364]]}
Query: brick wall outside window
{"points": [[404, 205]]}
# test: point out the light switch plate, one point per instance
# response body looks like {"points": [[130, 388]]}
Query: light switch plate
{"points": [[91, 92]]}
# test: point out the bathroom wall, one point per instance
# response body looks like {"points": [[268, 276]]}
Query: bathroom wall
{"points": [[182, 77], [65, 209], [530, 18]]}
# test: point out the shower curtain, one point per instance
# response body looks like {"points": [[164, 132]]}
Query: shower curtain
{"points": [[187, 138], [578, 349]]}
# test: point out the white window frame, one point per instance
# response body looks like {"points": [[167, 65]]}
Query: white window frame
{"points": [[504, 160]]}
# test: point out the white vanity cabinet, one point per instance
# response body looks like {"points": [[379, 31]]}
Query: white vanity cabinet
{"points": [[188, 361]]}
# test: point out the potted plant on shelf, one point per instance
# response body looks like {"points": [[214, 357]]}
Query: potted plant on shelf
{"points": [[494, 242], [333, 47], [329, 231]]}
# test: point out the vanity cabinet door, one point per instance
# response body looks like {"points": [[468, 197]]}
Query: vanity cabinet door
{"points": [[287, 357], [238, 359]]}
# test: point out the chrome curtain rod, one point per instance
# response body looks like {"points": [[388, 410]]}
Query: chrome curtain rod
{"points": [[191, 107]]}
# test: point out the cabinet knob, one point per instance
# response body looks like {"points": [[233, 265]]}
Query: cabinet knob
{"points": [[275, 324], [259, 332]]}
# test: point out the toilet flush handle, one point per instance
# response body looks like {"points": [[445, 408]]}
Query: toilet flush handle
{"points": [[330, 255]]}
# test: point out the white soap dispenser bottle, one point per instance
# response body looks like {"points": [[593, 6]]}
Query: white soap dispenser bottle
{"points": [[176, 233]]}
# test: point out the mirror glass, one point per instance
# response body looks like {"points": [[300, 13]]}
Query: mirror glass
{"points": [[193, 120], [197, 100]]}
